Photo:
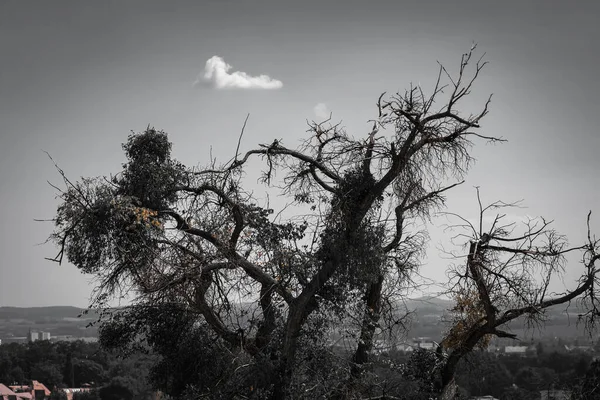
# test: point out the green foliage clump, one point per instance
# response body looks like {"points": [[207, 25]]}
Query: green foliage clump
{"points": [[589, 386], [188, 355], [58, 395], [119, 388], [86, 395], [47, 372], [111, 227], [422, 368], [356, 248], [150, 175]]}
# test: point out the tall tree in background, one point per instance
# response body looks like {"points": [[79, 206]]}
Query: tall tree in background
{"points": [[69, 372], [263, 284]]}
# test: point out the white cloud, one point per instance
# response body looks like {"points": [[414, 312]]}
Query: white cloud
{"points": [[216, 72], [322, 111]]}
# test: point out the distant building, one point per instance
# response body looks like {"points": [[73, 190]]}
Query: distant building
{"points": [[32, 336], [23, 392], [35, 391], [6, 393], [522, 350], [424, 343], [24, 396], [427, 345]]}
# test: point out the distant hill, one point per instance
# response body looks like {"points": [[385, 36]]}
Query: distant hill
{"points": [[58, 320], [427, 319], [429, 304], [55, 312]]}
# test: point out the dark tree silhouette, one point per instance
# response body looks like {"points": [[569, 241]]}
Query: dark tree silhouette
{"points": [[265, 284], [507, 275], [69, 372], [589, 388], [194, 236]]}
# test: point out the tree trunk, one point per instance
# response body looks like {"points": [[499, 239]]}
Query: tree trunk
{"points": [[448, 385], [303, 306], [369, 325], [288, 354], [449, 391], [299, 312]]}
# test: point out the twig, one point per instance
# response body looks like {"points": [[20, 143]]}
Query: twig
{"points": [[237, 149]]}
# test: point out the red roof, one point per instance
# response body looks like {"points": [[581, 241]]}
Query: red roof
{"points": [[5, 391], [41, 386], [19, 388], [26, 391]]}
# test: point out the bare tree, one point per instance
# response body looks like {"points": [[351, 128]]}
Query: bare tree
{"points": [[194, 237], [507, 274]]}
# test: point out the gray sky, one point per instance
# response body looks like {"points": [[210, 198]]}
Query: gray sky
{"points": [[77, 76]]}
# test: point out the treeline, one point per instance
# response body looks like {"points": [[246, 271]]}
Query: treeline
{"points": [[516, 377], [506, 377], [407, 375], [75, 364]]}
